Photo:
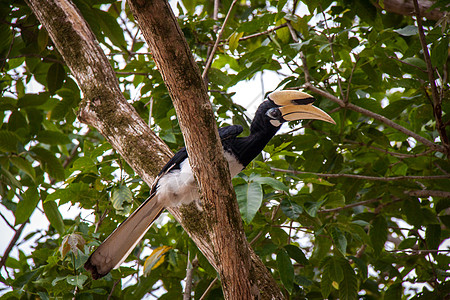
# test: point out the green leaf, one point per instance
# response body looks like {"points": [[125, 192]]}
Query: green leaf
{"points": [[348, 287], [53, 215], [77, 280], [297, 254], [85, 164], [32, 100], [121, 195], [233, 41], [8, 141], [408, 30], [339, 239], [52, 137], [249, 197], [291, 209], [335, 199], [407, 243], [433, 236], [286, 270], [439, 53], [23, 165], [394, 292], [26, 205], [378, 233], [49, 163], [274, 183], [111, 28], [55, 77], [283, 33]]}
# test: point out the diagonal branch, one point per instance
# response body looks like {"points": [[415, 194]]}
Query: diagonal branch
{"points": [[216, 44], [11, 245], [375, 116], [437, 101], [364, 177]]}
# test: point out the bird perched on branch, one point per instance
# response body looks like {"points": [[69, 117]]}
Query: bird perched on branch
{"points": [[175, 184]]}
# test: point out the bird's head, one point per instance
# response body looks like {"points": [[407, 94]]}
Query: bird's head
{"points": [[285, 106]]}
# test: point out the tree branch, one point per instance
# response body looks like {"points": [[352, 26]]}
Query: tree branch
{"points": [[428, 193], [11, 245], [437, 101], [364, 177], [375, 116], [216, 44]]}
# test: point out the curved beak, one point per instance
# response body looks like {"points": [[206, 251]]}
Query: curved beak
{"points": [[296, 105]]}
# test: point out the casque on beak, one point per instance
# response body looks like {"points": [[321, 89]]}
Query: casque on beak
{"points": [[296, 105]]}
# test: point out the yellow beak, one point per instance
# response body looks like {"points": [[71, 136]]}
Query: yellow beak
{"points": [[296, 105]]}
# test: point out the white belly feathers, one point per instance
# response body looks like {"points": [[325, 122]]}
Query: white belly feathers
{"points": [[179, 187]]}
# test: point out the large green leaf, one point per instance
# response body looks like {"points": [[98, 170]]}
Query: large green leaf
{"points": [[49, 163], [26, 205], [249, 197], [378, 233], [54, 216], [286, 270]]}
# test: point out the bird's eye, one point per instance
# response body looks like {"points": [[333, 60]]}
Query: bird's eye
{"points": [[274, 113]]}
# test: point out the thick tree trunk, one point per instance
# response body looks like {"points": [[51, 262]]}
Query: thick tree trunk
{"points": [[217, 230]]}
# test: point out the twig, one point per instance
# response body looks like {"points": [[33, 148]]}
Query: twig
{"points": [[131, 73], [395, 154], [6, 221], [216, 44], [189, 273], [208, 289], [408, 64], [419, 251], [256, 238], [112, 289], [364, 177], [263, 32], [330, 41], [428, 193], [348, 206], [437, 101], [347, 94], [11, 244], [375, 116]]}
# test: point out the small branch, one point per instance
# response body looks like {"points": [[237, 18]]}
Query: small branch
{"points": [[131, 73], [11, 244], [437, 101], [364, 177], [330, 41], [216, 44], [208, 289], [408, 64], [348, 206], [7, 223], [263, 32], [418, 251], [44, 58], [375, 116], [428, 193], [112, 289], [347, 94], [189, 273]]}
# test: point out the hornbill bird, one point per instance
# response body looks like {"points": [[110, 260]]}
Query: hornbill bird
{"points": [[176, 185]]}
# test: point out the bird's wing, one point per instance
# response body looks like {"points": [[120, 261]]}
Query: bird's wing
{"points": [[119, 244], [174, 162], [228, 132]]}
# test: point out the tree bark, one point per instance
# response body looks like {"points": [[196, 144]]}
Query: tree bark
{"points": [[406, 7], [217, 230]]}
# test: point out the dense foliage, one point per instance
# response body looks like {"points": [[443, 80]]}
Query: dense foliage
{"points": [[360, 209]]}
